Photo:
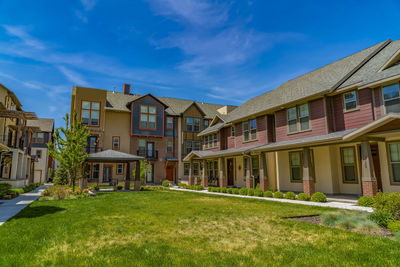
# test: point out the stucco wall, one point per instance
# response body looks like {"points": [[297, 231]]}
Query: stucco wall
{"points": [[118, 124]]}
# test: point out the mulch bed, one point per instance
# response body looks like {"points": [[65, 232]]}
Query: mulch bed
{"points": [[316, 219]]}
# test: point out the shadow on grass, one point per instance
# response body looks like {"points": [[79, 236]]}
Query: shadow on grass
{"points": [[33, 212]]}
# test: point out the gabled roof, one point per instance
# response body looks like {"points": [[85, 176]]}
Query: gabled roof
{"points": [[45, 125], [317, 82], [212, 129], [113, 156]]}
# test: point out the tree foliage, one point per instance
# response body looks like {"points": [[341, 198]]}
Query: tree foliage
{"points": [[69, 148]]}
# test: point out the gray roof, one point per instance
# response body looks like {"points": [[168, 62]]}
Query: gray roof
{"points": [[209, 154], [370, 71], [113, 156], [118, 101], [45, 125], [211, 129], [313, 83]]}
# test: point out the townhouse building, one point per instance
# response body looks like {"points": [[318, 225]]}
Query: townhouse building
{"points": [[161, 129], [16, 162], [44, 164], [335, 130]]}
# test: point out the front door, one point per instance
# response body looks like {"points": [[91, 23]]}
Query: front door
{"points": [[106, 174], [150, 149], [377, 165], [170, 173], [230, 172]]}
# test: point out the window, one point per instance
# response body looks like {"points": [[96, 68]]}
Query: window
{"points": [[394, 156], [206, 143], [142, 147], [211, 141], [39, 154], [350, 100], [192, 146], [233, 131], [195, 169], [391, 98], [170, 147], [250, 130], [215, 140], [255, 166], [116, 143], [188, 147], [212, 167], [206, 123], [148, 116], [186, 169], [349, 165], [298, 118], [90, 113], [196, 145], [38, 138], [95, 172], [192, 124], [170, 123], [296, 171], [120, 169]]}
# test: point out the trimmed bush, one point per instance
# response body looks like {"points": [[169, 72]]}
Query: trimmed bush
{"points": [[303, 197], [382, 218], [224, 190], [394, 226], [258, 192], [198, 187], [389, 202], [210, 189], [318, 197], [243, 191], [365, 201], [268, 194], [290, 195], [250, 192], [165, 183], [235, 191], [181, 185], [19, 191], [278, 194], [230, 191]]}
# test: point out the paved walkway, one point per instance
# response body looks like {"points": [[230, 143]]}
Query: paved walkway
{"points": [[10, 208], [330, 204]]}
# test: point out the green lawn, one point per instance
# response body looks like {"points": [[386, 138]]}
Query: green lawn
{"points": [[164, 228]]}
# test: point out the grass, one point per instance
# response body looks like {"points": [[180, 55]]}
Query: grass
{"points": [[164, 228]]}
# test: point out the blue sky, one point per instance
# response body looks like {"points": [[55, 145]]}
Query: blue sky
{"points": [[217, 51]]}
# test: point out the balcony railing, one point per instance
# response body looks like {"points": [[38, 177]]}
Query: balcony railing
{"points": [[148, 154]]}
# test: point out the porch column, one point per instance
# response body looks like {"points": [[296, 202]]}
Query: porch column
{"points": [[263, 172], [14, 165], [369, 185], [222, 177], [249, 180], [308, 173], [128, 176], [191, 174], [204, 178], [101, 166], [136, 183]]}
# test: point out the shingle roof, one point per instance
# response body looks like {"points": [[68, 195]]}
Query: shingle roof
{"points": [[45, 125], [114, 156], [313, 83], [212, 129], [118, 101]]}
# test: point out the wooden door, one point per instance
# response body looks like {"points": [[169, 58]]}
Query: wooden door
{"points": [[377, 165], [230, 172], [170, 173]]}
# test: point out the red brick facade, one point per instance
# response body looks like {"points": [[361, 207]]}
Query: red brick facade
{"points": [[309, 187], [370, 188]]}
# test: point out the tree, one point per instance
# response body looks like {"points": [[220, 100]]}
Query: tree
{"points": [[61, 176], [69, 148]]}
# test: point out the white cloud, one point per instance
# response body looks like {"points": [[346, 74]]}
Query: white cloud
{"points": [[21, 33], [72, 76], [88, 4]]}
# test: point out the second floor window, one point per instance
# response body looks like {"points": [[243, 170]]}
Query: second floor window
{"points": [[206, 123], [90, 114], [298, 118], [193, 125], [192, 146], [170, 123], [148, 116], [116, 143], [39, 154], [142, 145], [211, 141], [233, 131], [170, 147], [250, 130], [350, 100], [38, 138], [391, 98]]}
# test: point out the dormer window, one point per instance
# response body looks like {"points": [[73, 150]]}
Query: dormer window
{"points": [[148, 116], [350, 101], [391, 98]]}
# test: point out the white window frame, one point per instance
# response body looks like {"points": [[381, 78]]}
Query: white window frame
{"points": [[298, 119], [391, 99], [346, 102]]}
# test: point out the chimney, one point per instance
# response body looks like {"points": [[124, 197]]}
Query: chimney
{"points": [[127, 89]]}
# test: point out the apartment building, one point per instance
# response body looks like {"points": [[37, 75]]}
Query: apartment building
{"points": [[161, 129], [43, 161], [335, 130], [16, 163]]}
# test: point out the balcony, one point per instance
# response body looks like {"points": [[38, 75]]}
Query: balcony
{"points": [[148, 154], [93, 149]]}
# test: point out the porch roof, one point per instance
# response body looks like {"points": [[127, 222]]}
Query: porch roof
{"points": [[113, 156], [210, 154], [212, 129]]}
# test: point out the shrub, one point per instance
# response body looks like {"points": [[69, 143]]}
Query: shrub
{"points": [[165, 183], [235, 191], [224, 190], [278, 194], [210, 189], [258, 192], [258, 186], [318, 197], [365, 201], [303, 197], [250, 192], [181, 185], [394, 226], [198, 187], [230, 191], [382, 218], [243, 191], [61, 176], [349, 220], [290, 195], [19, 191], [268, 193], [389, 202]]}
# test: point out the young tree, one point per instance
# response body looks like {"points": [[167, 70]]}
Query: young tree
{"points": [[69, 148]]}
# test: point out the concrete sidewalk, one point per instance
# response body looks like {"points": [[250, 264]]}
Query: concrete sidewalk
{"points": [[329, 204], [10, 208]]}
